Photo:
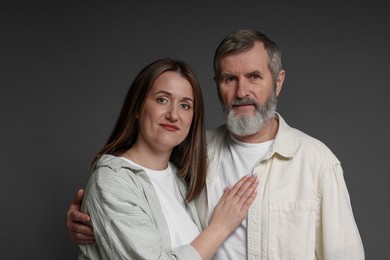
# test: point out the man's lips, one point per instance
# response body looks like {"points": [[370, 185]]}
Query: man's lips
{"points": [[170, 127], [243, 105], [243, 108]]}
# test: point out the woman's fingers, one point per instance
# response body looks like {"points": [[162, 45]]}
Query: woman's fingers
{"points": [[247, 192], [244, 185], [234, 203], [243, 192]]}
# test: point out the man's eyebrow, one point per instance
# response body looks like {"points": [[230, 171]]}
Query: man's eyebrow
{"points": [[227, 74], [230, 74], [255, 72]]}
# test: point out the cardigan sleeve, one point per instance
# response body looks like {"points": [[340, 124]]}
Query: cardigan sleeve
{"points": [[126, 226]]}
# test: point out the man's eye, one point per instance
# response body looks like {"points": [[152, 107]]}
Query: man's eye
{"points": [[255, 76], [228, 79]]}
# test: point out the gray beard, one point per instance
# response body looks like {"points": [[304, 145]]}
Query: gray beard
{"points": [[245, 125]]}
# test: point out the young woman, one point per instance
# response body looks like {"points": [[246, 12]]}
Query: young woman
{"points": [[140, 194]]}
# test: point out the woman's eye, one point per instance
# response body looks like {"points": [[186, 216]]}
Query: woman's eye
{"points": [[162, 100], [185, 106]]}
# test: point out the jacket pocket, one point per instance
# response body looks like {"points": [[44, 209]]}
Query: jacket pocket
{"points": [[292, 230]]}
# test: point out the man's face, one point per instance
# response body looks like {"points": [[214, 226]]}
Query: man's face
{"points": [[248, 91]]}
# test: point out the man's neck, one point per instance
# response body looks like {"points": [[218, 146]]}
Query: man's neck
{"points": [[267, 133]]}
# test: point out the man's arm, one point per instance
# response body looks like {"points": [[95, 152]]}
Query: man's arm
{"points": [[340, 238], [77, 222]]}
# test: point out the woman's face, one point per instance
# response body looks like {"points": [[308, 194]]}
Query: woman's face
{"points": [[167, 113]]}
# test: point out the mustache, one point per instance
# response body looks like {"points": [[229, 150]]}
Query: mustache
{"points": [[242, 101]]}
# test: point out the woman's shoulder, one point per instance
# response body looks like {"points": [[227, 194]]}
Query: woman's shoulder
{"points": [[111, 170], [110, 161]]}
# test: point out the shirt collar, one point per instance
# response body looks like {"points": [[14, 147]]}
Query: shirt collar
{"points": [[286, 142]]}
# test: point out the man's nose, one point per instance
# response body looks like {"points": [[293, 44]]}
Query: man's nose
{"points": [[242, 89]]}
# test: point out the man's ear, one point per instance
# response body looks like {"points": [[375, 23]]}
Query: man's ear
{"points": [[218, 92], [279, 81]]}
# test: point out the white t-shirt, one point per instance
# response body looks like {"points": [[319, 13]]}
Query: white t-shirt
{"points": [[182, 228], [237, 160]]}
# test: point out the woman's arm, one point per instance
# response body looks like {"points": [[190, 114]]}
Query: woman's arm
{"points": [[227, 215]]}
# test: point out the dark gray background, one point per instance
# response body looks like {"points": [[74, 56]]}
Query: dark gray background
{"points": [[65, 69]]}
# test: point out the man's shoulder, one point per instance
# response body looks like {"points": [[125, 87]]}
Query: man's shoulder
{"points": [[313, 145], [293, 137]]}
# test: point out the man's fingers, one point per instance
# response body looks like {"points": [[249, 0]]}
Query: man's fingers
{"points": [[81, 233], [78, 223], [83, 239], [79, 197], [74, 213], [82, 229], [78, 216]]}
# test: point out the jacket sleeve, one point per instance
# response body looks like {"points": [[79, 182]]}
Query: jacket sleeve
{"points": [[337, 233], [125, 226]]}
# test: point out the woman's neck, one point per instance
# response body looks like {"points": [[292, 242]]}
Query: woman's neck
{"points": [[147, 158]]}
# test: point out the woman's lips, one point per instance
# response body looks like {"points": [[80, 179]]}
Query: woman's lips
{"points": [[170, 127]]}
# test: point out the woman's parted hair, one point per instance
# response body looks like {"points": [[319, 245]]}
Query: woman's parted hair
{"points": [[190, 156]]}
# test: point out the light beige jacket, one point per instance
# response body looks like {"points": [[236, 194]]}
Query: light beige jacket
{"points": [[303, 209]]}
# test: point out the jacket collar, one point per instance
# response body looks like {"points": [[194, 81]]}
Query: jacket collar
{"points": [[286, 141]]}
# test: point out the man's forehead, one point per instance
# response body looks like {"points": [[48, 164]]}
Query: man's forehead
{"points": [[255, 57], [243, 66]]}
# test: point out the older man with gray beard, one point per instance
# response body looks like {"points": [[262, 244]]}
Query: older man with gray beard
{"points": [[303, 209]]}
